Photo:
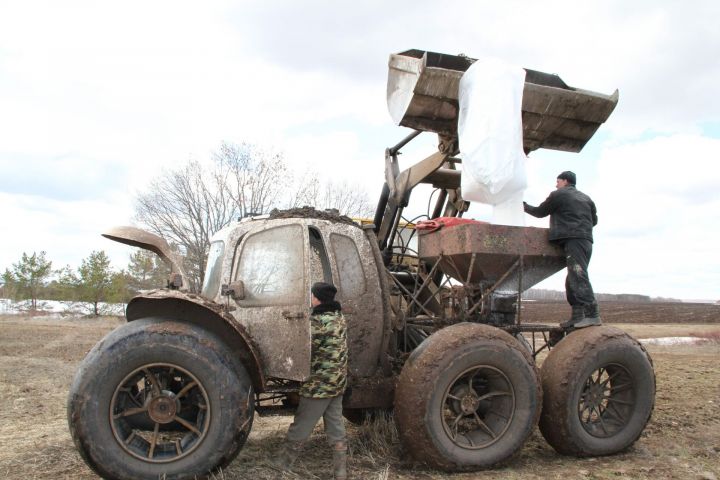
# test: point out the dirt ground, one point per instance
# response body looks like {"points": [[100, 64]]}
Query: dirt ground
{"points": [[38, 358]]}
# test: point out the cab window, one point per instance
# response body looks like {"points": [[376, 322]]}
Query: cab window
{"points": [[350, 270], [319, 263], [211, 283], [271, 266]]}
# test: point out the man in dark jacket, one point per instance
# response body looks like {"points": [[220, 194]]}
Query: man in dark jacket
{"points": [[572, 218], [322, 394]]}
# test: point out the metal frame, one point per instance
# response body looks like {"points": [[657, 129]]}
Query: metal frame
{"points": [[468, 301]]}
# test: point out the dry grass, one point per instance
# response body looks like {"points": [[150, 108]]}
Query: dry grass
{"points": [[669, 330], [711, 336], [38, 358]]}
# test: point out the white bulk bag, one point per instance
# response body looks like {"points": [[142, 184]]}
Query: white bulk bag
{"points": [[491, 139]]}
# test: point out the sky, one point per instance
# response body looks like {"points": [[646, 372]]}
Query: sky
{"points": [[99, 98]]}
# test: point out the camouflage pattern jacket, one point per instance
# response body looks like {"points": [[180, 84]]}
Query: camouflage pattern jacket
{"points": [[328, 363]]}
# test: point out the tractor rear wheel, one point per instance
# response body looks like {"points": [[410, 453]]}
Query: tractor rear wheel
{"points": [[599, 392], [468, 397], [159, 399]]}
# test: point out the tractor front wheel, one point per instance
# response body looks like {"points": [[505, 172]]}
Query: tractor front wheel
{"points": [[159, 399]]}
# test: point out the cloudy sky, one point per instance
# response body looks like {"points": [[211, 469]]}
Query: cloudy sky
{"points": [[96, 98]]}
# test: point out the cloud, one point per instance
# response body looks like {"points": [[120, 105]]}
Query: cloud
{"points": [[98, 98], [657, 201], [67, 230], [649, 52], [69, 177]]}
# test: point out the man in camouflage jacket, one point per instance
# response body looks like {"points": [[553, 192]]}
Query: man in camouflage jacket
{"points": [[322, 394]]}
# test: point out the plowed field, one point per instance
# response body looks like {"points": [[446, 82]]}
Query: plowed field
{"points": [[38, 358]]}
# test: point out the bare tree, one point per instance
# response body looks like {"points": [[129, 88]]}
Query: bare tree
{"points": [[254, 178], [186, 207], [347, 198]]}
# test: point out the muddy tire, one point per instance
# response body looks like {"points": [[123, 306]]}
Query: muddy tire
{"points": [[599, 392], [524, 342], [467, 398], [159, 373]]}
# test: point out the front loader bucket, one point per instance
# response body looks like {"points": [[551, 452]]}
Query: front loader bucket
{"points": [[422, 93]]}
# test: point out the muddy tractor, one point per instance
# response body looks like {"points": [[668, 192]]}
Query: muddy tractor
{"points": [[434, 318]]}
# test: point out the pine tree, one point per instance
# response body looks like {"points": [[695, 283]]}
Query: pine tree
{"points": [[95, 280], [146, 271], [28, 276]]}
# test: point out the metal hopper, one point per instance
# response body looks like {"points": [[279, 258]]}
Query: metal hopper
{"points": [[422, 93], [501, 258]]}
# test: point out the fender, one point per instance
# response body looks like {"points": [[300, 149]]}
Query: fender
{"points": [[192, 308]]}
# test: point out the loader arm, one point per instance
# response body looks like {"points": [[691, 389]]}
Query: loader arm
{"points": [[422, 94]]}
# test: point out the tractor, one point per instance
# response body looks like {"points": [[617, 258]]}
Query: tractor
{"points": [[434, 317]]}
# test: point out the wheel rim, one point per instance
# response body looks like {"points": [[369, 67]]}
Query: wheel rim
{"points": [[478, 407], [607, 401], [159, 413]]}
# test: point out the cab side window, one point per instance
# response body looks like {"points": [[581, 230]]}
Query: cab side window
{"points": [[319, 263], [350, 269], [271, 266]]}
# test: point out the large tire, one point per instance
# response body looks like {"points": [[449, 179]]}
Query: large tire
{"points": [[467, 398], [160, 373], [599, 392]]}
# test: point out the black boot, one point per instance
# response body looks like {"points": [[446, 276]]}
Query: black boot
{"points": [[592, 311], [578, 315]]}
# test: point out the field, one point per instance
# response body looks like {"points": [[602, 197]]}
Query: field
{"points": [[38, 357]]}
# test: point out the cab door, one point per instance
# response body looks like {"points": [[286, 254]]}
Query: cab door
{"points": [[272, 264], [361, 298]]}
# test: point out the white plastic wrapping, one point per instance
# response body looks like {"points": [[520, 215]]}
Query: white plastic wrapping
{"points": [[491, 139]]}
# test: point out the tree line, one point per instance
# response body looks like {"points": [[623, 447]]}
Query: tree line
{"points": [[93, 283]]}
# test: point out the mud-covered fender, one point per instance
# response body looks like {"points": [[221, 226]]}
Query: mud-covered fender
{"points": [[191, 308]]}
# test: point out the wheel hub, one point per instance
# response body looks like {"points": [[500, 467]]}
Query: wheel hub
{"points": [[479, 407], [163, 408], [595, 395], [469, 403]]}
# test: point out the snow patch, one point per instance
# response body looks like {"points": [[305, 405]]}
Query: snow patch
{"points": [[58, 309], [673, 341]]}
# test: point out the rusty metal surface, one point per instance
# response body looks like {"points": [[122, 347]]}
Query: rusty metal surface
{"points": [[178, 305], [387, 313], [284, 343], [365, 313], [422, 93], [138, 237], [486, 253], [369, 392]]}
